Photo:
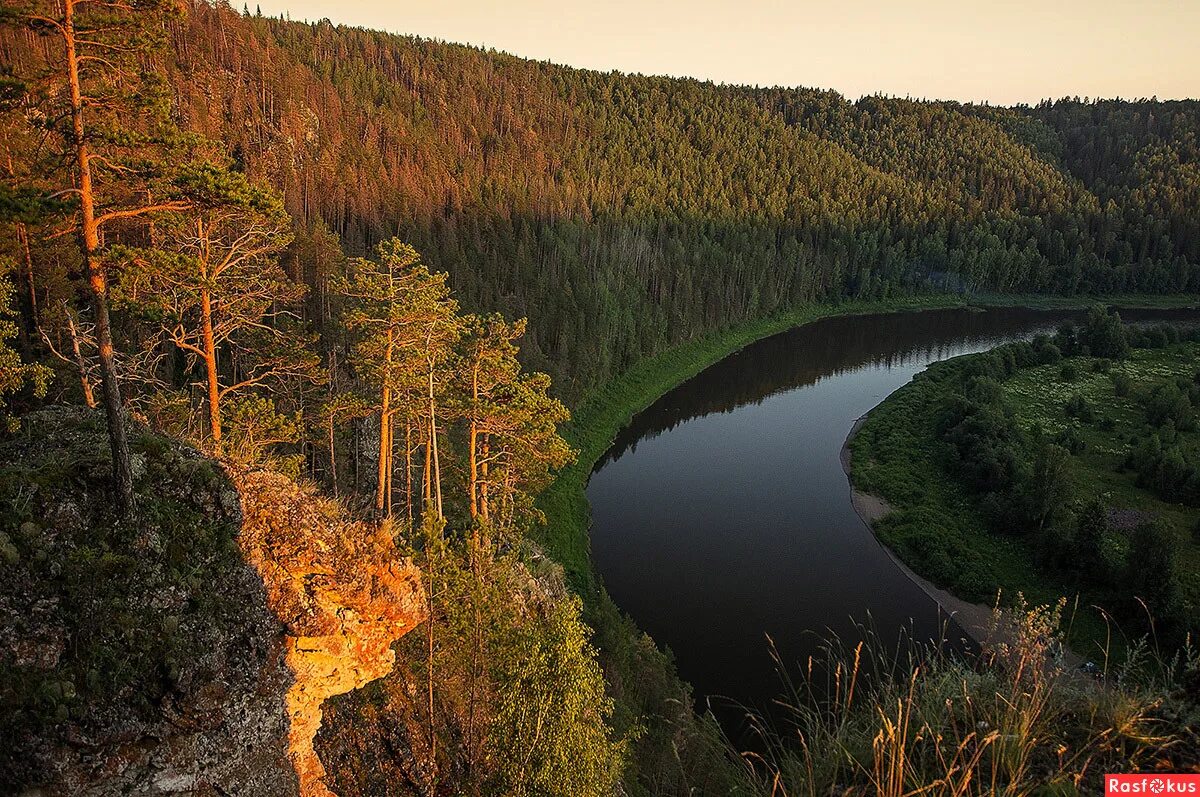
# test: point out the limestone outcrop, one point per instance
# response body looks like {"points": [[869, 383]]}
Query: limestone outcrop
{"points": [[135, 657], [342, 592]]}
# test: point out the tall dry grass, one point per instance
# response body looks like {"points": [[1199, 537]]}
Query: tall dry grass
{"points": [[1018, 718]]}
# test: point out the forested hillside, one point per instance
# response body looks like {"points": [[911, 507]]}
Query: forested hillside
{"points": [[211, 334], [625, 213]]}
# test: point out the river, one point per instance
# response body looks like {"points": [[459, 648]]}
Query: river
{"points": [[722, 515]]}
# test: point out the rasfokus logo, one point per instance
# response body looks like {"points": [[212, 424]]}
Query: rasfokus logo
{"points": [[1152, 784]]}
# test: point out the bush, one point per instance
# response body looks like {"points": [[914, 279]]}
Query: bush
{"points": [[1150, 568], [1023, 354], [986, 449], [253, 428], [1069, 372], [1044, 350], [1070, 440], [1093, 550], [1165, 402], [1122, 384], [984, 390], [1168, 470], [1079, 407], [1155, 338], [1067, 339]]}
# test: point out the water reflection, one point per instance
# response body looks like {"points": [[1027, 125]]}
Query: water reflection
{"points": [[722, 515]]}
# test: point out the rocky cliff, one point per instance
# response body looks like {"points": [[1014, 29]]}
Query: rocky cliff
{"points": [[341, 591], [188, 652]]}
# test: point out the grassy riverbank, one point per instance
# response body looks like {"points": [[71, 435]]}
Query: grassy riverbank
{"points": [[1017, 471]]}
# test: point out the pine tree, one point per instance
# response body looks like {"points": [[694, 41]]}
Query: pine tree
{"points": [[215, 287], [512, 438], [407, 325], [113, 112]]}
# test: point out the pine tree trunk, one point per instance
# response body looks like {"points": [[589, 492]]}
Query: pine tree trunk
{"points": [[391, 467], [427, 492], [88, 396], [483, 487], [408, 480], [472, 699], [31, 322], [384, 427], [384, 420], [437, 468], [210, 368], [474, 468], [97, 279], [429, 679], [333, 474], [473, 443]]}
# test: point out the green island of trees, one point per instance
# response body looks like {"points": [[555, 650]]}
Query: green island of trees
{"points": [[1069, 465]]}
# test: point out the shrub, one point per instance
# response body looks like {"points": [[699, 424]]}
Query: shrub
{"points": [[984, 390], [1079, 407], [985, 448], [253, 428], [1044, 350], [1093, 548], [1070, 440], [1166, 402], [1150, 568], [1067, 339], [1155, 338]]}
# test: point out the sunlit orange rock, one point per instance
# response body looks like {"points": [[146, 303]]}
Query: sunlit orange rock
{"points": [[342, 591]]}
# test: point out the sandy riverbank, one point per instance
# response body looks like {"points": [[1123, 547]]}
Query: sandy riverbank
{"points": [[975, 619]]}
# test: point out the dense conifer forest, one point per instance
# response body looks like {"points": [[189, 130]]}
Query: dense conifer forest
{"points": [[624, 213]]}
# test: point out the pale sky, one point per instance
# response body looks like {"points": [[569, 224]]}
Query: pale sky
{"points": [[1001, 52]]}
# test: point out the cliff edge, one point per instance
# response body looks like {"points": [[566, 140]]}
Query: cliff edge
{"points": [[187, 651], [342, 593]]}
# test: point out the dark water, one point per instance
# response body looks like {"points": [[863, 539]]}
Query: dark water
{"points": [[722, 514]]}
